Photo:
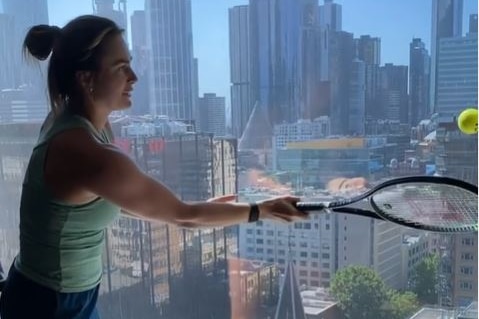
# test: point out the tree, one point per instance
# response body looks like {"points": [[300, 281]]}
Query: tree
{"points": [[424, 280], [401, 305], [360, 292]]}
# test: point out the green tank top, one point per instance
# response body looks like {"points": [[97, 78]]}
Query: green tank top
{"points": [[61, 244]]}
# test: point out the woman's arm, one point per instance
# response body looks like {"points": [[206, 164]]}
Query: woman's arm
{"points": [[107, 172]]}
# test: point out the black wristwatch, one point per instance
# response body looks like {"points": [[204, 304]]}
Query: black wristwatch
{"points": [[253, 213]]}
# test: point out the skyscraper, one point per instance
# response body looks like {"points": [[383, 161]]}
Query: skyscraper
{"points": [[140, 54], [473, 23], [7, 55], [25, 15], [212, 114], [357, 98], [393, 92], [368, 49], [330, 16], [456, 156], [105, 8], [279, 55], [330, 20], [170, 40], [241, 105], [456, 74], [340, 57], [418, 81], [446, 23]]}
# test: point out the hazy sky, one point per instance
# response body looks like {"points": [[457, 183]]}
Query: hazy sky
{"points": [[396, 22]]}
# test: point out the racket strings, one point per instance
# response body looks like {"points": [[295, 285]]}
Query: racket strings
{"points": [[442, 206]]}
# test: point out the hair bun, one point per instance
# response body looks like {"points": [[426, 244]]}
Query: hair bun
{"points": [[40, 40]]}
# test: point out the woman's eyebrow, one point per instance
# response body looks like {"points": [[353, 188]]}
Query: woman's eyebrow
{"points": [[122, 60]]}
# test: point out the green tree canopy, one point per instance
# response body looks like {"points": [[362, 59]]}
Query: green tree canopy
{"points": [[360, 292], [401, 305], [425, 279]]}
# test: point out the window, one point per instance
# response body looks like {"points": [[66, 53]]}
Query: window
{"points": [[325, 275], [467, 256], [466, 285], [261, 98], [467, 270]]}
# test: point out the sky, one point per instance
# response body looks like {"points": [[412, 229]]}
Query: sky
{"points": [[396, 22]]}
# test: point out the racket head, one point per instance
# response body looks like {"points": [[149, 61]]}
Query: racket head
{"points": [[429, 203]]}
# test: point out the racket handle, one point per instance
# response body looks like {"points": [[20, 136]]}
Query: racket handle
{"points": [[310, 206]]}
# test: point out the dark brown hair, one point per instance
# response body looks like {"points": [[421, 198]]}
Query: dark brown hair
{"points": [[76, 47]]}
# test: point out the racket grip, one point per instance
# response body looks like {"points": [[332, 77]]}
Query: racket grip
{"points": [[310, 206]]}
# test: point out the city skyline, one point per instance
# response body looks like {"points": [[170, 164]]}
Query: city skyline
{"points": [[325, 112], [210, 21]]}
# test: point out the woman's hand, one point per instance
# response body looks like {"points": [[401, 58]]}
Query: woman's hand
{"points": [[281, 209]]}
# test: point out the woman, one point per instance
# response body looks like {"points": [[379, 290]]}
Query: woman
{"points": [[76, 180]]}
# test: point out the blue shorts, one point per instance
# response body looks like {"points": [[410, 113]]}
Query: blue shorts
{"points": [[24, 298]]}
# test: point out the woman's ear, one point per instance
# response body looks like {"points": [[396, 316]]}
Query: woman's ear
{"points": [[85, 81]]}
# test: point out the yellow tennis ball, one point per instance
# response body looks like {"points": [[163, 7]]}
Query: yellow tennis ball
{"points": [[467, 121]]}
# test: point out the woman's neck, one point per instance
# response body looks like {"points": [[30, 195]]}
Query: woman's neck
{"points": [[93, 114]]}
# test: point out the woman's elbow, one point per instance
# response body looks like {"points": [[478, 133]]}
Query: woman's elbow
{"points": [[185, 216]]}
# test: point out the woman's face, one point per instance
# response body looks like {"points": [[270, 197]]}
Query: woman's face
{"points": [[113, 83]]}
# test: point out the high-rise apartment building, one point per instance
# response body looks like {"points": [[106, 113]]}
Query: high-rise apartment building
{"points": [[357, 99], [456, 74], [7, 54], [419, 67], [171, 68], [324, 244], [212, 114], [175, 265], [105, 8], [140, 53], [393, 92], [284, 68], [446, 23], [456, 156], [23, 20], [368, 50], [240, 68]]}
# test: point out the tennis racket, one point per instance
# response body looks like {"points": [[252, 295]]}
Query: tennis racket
{"points": [[432, 203]]}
